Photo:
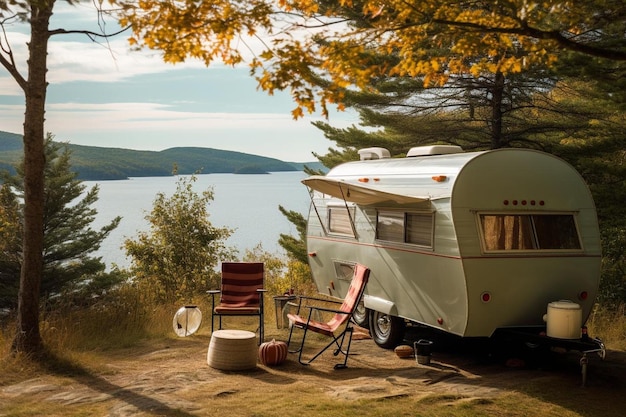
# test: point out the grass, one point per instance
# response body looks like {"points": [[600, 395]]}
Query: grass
{"points": [[83, 344], [609, 326]]}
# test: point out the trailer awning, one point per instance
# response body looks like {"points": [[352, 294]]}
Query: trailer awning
{"points": [[357, 193]]}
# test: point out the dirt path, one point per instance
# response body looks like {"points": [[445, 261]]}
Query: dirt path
{"points": [[174, 379]]}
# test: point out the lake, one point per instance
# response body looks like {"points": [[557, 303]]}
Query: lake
{"points": [[246, 203]]}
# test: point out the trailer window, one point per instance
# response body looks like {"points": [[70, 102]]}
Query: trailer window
{"points": [[399, 226], [390, 226], [419, 228], [510, 232], [339, 220]]}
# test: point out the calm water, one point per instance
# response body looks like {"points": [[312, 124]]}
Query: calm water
{"points": [[246, 203]]}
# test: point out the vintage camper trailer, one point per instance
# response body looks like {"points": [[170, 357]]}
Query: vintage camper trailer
{"points": [[464, 242]]}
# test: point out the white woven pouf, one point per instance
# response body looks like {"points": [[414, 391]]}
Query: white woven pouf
{"points": [[232, 350]]}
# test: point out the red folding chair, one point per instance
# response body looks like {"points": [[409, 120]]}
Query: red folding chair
{"points": [[338, 326]]}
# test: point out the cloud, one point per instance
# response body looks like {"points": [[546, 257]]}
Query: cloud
{"points": [[150, 126], [103, 94]]}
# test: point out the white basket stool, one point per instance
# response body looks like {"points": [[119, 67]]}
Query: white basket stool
{"points": [[232, 350]]}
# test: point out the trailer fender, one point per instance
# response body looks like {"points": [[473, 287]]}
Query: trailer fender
{"points": [[380, 304]]}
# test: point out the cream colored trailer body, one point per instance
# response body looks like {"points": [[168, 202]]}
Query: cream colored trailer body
{"points": [[465, 242]]}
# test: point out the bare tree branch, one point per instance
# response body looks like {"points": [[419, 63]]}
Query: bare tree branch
{"points": [[90, 34], [6, 55]]}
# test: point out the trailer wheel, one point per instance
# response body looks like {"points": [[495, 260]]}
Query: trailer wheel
{"points": [[387, 331], [361, 315]]}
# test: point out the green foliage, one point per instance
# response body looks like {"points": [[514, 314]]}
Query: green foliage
{"points": [[299, 277], [295, 246], [10, 246], [282, 276], [335, 157], [273, 267], [176, 259], [613, 284], [536, 109], [68, 238]]}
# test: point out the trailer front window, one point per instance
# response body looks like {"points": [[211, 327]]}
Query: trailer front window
{"points": [[527, 232]]}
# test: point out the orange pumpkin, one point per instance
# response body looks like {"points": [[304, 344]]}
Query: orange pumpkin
{"points": [[273, 353]]}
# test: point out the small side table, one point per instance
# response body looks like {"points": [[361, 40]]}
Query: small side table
{"points": [[280, 304], [232, 350]]}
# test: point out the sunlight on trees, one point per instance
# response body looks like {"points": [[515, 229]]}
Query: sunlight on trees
{"points": [[177, 258], [317, 50]]}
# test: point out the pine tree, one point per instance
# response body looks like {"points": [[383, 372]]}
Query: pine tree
{"points": [[69, 241], [295, 247], [10, 247]]}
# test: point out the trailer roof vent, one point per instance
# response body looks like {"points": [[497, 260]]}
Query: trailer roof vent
{"points": [[373, 153], [433, 150]]}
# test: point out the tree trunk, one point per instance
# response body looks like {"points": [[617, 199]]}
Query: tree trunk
{"points": [[28, 338], [496, 111]]}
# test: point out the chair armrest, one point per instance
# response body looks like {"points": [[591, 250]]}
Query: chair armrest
{"points": [[328, 310], [261, 290], [214, 291], [324, 300], [308, 298]]}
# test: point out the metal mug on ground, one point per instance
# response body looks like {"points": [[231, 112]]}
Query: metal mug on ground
{"points": [[423, 350]]}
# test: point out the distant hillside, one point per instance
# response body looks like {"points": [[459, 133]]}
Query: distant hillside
{"points": [[96, 163]]}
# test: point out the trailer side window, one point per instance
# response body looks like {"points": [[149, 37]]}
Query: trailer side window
{"points": [[419, 228], [510, 232], [339, 220], [399, 226], [390, 226]]}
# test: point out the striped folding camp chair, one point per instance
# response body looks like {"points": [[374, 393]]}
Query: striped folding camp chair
{"points": [[241, 293]]}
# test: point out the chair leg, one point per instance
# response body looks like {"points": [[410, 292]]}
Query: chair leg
{"points": [[347, 352], [339, 349], [212, 312], [261, 330], [261, 319], [338, 341], [292, 326], [301, 349], [289, 342], [334, 341]]}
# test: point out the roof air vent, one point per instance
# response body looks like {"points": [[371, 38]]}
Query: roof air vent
{"points": [[373, 153], [433, 150]]}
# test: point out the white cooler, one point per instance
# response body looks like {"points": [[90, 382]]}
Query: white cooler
{"points": [[564, 320]]}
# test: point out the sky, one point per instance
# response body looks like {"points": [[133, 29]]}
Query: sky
{"points": [[109, 96]]}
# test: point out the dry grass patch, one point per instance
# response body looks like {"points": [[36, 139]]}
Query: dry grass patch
{"points": [[148, 371]]}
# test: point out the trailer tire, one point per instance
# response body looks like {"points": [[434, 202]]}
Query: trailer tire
{"points": [[387, 331], [361, 316]]}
